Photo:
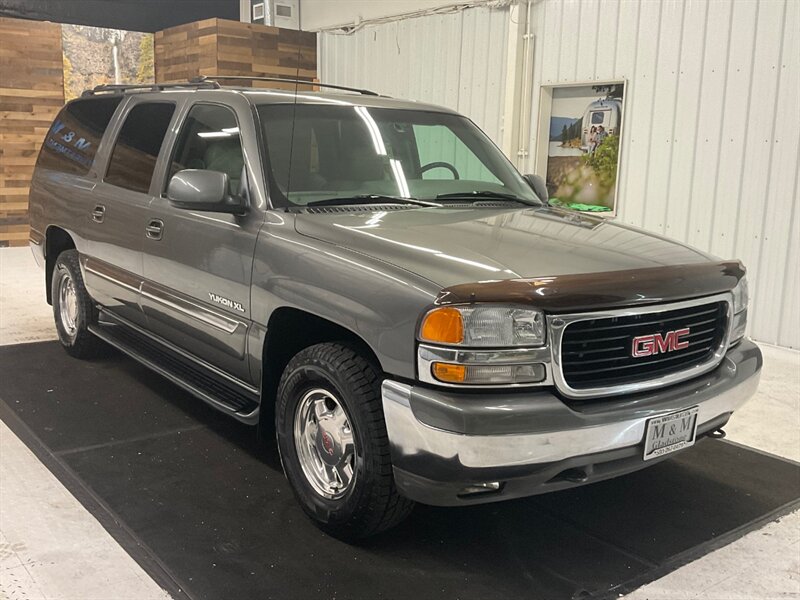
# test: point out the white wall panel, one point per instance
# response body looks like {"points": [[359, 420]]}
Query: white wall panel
{"points": [[710, 147], [778, 267], [686, 125], [324, 14], [455, 60]]}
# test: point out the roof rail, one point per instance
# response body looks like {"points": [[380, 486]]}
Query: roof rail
{"points": [[214, 78], [150, 87]]}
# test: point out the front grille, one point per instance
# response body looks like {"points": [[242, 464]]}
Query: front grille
{"points": [[598, 352]]}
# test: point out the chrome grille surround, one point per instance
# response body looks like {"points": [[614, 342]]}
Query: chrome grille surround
{"points": [[558, 323]]}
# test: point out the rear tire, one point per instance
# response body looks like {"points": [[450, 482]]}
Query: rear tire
{"points": [[74, 310], [333, 442]]}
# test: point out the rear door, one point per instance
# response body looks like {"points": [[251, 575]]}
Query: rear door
{"points": [[117, 216], [197, 268]]}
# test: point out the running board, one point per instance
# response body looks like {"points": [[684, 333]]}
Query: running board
{"points": [[236, 400]]}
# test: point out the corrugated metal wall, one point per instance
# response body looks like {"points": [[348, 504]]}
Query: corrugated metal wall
{"points": [[455, 60], [712, 125]]}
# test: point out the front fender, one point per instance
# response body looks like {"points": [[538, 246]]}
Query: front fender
{"points": [[377, 301]]}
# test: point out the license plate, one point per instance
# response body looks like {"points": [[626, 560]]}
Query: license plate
{"points": [[670, 433]]}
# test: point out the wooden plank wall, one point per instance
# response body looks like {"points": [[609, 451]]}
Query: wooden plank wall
{"points": [[31, 93], [186, 51], [222, 47]]}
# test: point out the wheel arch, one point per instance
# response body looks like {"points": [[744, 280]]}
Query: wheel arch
{"points": [[289, 331], [57, 240]]}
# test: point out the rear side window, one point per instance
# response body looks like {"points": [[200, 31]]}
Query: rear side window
{"points": [[133, 159], [71, 143]]}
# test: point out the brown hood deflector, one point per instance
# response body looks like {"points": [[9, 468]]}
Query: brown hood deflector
{"points": [[614, 289]]}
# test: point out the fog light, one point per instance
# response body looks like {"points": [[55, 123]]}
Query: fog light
{"points": [[488, 374], [481, 488]]}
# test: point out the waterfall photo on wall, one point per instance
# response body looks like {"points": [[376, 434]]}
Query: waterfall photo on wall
{"points": [[97, 56], [584, 145]]}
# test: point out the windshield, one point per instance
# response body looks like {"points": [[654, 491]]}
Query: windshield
{"points": [[338, 153]]}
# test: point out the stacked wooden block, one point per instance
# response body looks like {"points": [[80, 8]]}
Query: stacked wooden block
{"points": [[217, 47], [31, 94]]}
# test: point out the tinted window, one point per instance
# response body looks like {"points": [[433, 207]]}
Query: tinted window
{"points": [[598, 117], [138, 144], [209, 140], [71, 143]]}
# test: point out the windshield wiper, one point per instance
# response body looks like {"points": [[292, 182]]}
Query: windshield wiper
{"points": [[371, 199], [483, 194]]}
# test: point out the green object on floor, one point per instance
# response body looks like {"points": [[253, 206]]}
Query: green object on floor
{"points": [[579, 206]]}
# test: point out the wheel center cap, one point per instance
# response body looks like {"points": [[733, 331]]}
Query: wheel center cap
{"points": [[327, 447]]}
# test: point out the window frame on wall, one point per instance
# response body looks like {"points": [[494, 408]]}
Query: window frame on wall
{"points": [[540, 160], [132, 106]]}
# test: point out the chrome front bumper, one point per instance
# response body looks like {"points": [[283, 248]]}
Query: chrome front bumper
{"points": [[444, 441]]}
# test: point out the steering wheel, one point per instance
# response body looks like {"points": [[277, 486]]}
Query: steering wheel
{"points": [[440, 164]]}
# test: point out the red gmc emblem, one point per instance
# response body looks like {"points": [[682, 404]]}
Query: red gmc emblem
{"points": [[656, 343], [327, 443]]}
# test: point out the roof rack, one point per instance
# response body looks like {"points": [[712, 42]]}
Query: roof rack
{"points": [[213, 79], [149, 87], [203, 82]]}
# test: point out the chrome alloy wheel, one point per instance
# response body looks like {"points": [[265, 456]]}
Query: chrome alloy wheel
{"points": [[68, 305], [323, 438]]}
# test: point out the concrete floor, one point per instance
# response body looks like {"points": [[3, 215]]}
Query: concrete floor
{"points": [[51, 547]]}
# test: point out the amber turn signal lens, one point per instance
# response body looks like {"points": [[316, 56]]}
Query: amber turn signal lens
{"points": [[443, 325], [449, 373]]}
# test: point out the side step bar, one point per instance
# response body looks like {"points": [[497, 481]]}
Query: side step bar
{"points": [[237, 400]]}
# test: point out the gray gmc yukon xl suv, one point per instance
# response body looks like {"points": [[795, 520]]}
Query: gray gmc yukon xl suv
{"points": [[372, 280]]}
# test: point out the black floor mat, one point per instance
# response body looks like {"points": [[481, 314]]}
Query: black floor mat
{"points": [[206, 510]]}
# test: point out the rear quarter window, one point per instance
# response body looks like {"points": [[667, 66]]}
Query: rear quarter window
{"points": [[71, 143]]}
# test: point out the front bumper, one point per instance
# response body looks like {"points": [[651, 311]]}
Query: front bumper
{"points": [[444, 442]]}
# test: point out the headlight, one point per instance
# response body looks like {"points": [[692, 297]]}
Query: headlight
{"points": [[483, 326], [485, 345], [738, 325], [741, 296]]}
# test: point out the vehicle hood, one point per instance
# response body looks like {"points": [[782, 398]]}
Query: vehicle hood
{"points": [[450, 246]]}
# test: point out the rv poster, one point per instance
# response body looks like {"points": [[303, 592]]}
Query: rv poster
{"points": [[583, 146]]}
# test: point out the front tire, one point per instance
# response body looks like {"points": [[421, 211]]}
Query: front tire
{"points": [[73, 309], [333, 442]]}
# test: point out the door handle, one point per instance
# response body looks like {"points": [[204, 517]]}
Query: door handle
{"points": [[98, 213], [155, 229]]}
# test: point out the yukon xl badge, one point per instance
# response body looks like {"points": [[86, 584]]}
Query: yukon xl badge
{"points": [[225, 302], [648, 345]]}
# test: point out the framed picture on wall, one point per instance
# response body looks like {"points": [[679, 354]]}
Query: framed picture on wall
{"points": [[580, 131]]}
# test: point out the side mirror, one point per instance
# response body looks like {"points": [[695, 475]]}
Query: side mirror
{"points": [[539, 187], [200, 189]]}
